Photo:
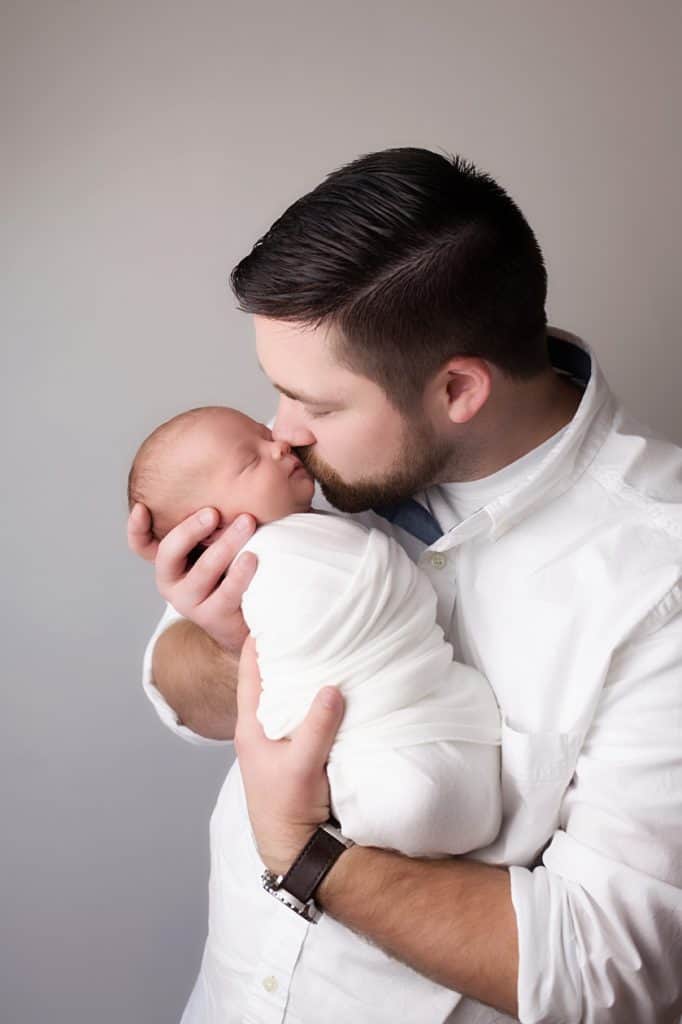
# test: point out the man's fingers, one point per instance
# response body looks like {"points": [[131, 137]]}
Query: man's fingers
{"points": [[220, 614], [140, 539], [204, 576], [226, 600], [201, 584], [171, 562], [315, 735], [243, 568]]}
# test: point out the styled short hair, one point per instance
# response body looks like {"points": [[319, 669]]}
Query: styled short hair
{"points": [[414, 258]]}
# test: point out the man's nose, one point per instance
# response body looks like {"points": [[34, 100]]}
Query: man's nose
{"points": [[288, 426]]}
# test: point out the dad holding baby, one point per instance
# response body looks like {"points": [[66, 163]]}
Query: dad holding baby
{"points": [[399, 310]]}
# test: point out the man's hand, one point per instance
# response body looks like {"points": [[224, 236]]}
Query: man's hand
{"points": [[196, 591], [285, 781]]}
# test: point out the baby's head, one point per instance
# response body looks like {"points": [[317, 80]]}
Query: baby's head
{"points": [[220, 458]]}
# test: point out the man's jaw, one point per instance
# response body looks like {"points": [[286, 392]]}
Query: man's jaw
{"points": [[359, 496], [421, 464]]}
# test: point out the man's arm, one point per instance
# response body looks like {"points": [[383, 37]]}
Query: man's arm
{"points": [[190, 663], [198, 679], [451, 920], [599, 920], [593, 934]]}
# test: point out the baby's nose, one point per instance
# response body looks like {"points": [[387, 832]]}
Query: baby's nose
{"points": [[280, 449]]}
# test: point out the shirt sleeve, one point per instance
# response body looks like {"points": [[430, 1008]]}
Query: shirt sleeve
{"points": [[600, 920], [159, 703]]}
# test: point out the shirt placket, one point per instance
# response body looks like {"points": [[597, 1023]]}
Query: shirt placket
{"points": [[438, 563], [271, 980]]}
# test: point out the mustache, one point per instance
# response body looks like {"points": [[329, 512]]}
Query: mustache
{"points": [[303, 452]]}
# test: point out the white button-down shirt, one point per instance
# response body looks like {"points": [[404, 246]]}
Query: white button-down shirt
{"points": [[566, 592]]}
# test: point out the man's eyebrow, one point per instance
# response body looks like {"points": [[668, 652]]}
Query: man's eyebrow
{"points": [[300, 396]]}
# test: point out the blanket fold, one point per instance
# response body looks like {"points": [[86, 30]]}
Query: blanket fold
{"points": [[374, 635]]}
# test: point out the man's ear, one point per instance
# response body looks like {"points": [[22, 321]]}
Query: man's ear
{"points": [[467, 381]]}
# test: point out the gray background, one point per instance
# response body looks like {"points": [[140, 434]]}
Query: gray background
{"points": [[146, 147]]}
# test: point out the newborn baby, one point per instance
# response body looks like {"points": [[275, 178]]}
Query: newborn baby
{"points": [[415, 764]]}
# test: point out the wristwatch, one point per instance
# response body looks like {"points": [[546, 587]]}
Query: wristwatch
{"points": [[297, 887]]}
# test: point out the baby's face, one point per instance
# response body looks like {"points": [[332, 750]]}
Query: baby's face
{"points": [[235, 466]]}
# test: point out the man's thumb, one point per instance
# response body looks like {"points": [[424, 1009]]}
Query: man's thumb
{"points": [[317, 731], [330, 698]]}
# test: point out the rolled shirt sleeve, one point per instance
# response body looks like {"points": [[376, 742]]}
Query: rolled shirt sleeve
{"points": [[600, 921], [159, 703]]}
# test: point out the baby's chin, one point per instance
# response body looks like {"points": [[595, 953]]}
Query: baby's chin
{"points": [[296, 507]]}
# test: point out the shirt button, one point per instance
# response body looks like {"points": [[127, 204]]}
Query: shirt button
{"points": [[270, 984], [438, 561]]}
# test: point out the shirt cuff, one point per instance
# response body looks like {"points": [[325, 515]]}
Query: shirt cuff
{"points": [[598, 940], [545, 937], [159, 703]]}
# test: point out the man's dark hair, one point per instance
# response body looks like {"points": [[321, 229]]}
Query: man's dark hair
{"points": [[414, 258]]}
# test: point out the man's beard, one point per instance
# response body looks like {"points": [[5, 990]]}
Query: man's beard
{"points": [[421, 462]]}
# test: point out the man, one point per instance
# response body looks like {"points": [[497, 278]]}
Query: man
{"points": [[399, 311]]}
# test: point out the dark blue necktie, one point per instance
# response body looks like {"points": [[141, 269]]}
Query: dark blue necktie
{"points": [[414, 518]]}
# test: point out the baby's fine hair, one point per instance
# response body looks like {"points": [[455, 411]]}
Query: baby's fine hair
{"points": [[146, 473]]}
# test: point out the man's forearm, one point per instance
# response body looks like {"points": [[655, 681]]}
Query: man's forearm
{"points": [[198, 679], [451, 920]]}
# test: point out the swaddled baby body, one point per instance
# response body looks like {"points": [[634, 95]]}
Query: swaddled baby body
{"points": [[415, 764]]}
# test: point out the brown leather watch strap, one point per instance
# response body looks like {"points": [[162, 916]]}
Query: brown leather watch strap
{"points": [[312, 864]]}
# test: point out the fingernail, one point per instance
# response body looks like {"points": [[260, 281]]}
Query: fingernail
{"points": [[242, 524], [206, 516], [244, 563], [330, 697]]}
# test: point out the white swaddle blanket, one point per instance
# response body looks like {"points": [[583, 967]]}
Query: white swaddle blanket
{"points": [[334, 602]]}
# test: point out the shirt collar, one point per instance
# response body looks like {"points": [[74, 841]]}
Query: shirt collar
{"points": [[565, 462]]}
